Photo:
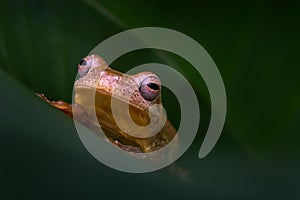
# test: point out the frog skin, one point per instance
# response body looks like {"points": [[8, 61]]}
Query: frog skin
{"points": [[134, 92]]}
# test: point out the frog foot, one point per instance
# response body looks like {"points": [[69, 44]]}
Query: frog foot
{"points": [[60, 104]]}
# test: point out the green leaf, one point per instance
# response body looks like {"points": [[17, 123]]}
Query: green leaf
{"points": [[254, 47], [42, 42]]}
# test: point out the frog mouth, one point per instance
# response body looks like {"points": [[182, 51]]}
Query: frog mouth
{"points": [[101, 106]]}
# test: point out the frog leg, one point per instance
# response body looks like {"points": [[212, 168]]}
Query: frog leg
{"points": [[60, 104]]}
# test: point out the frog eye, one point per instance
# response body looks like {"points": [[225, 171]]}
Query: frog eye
{"points": [[150, 88], [82, 62], [84, 66]]}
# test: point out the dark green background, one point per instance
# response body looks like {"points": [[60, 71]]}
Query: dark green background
{"points": [[255, 46]]}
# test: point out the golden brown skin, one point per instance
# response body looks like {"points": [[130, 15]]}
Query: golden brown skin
{"points": [[137, 93]]}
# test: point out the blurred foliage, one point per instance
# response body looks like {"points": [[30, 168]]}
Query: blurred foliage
{"points": [[255, 46]]}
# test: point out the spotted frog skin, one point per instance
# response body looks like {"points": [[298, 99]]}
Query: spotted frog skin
{"points": [[138, 93]]}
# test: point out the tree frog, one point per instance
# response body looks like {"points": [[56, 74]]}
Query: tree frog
{"points": [[134, 92]]}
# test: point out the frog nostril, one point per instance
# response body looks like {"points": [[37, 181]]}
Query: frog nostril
{"points": [[153, 86], [82, 62]]}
